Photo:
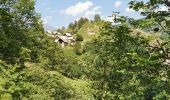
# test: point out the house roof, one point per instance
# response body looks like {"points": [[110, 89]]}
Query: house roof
{"points": [[63, 38], [68, 34]]}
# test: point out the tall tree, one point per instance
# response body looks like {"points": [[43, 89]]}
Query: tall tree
{"points": [[124, 67], [21, 28], [71, 26], [81, 22], [97, 18], [127, 66]]}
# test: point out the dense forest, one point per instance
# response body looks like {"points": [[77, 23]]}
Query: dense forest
{"points": [[125, 61]]}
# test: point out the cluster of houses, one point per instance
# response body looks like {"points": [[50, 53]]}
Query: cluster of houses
{"points": [[67, 38], [62, 39]]}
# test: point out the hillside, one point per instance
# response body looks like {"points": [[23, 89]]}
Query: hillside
{"points": [[44, 83], [93, 27]]}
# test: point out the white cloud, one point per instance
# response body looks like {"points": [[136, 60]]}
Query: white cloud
{"points": [[94, 11], [117, 4], [129, 10], [46, 19], [96, 8], [77, 8]]}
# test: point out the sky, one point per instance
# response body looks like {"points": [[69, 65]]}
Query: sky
{"points": [[58, 13]]}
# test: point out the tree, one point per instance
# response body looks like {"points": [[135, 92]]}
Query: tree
{"points": [[81, 22], [123, 66], [97, 18], [21, 27], [79, 37], [77, 24], [32, 83], [78, 48], [72, 26], [151, 11], [61, 30], [126, 66]]}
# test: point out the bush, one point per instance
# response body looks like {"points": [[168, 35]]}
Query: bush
{"points": [[77, 48], [79, 37], [32, 83]]}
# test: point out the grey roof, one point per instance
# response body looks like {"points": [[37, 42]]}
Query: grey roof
{"points": [[63, 38], [68, 34]]}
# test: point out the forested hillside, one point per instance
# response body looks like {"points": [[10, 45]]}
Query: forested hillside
{"points": [[126, 61]]}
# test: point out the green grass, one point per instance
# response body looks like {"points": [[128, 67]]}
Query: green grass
{"points": [[90, 26]]}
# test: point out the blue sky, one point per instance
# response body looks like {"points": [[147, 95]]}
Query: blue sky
{"points": [[58, 13]]}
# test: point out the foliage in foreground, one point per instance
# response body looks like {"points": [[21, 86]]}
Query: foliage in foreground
{"points": [[35, 83], [128, 66], [123, 66]]}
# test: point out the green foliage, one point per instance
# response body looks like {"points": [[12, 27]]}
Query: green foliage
{"points": [[79, 37], [116, 63], [77, 24], [81, 22], [78, 48], [20, 28], [97, 18], [61, 30], [33, 83], [124, 67], [69, 65], [93, 26]]}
